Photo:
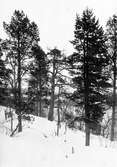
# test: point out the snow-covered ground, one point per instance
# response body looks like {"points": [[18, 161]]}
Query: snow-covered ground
{"points": [[5, 120], [38, 146]]}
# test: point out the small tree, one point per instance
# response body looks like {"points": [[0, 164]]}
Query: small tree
{"points": [[56, 64]]}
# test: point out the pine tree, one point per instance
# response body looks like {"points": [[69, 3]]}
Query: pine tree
{"points": [[39, 77], [21, 35], [88, 68], [56, 63], [112, 53], [4, 73]]}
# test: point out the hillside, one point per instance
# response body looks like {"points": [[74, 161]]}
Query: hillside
{"points": [[38, 145]]}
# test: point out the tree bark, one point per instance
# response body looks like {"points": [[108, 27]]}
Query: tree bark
{"points": [[51, 111], [114, 87], [87, 130], [19, 88], [58, 113], [86, 91], [114, 102], [40, 99], [11, 119]]}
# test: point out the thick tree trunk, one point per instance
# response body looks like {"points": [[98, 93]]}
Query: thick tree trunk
{"points": [[39, 105], [87, 129], [19, 123], [87, 132]]}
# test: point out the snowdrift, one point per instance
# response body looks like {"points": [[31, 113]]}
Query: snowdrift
{"points": [[38, 146]]}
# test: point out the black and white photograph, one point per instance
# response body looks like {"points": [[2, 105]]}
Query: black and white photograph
{"points": [[58, 83]]}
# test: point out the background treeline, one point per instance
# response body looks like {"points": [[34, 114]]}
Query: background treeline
{"points": [[70, 88]]}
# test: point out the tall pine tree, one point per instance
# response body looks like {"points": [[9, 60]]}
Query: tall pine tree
{"points": [[87, 67], [21, 36]]}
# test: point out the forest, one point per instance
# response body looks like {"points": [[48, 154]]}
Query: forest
{"points": [[76, 89]]}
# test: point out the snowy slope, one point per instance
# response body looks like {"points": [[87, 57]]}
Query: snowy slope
{"points": [[38, 146], [5, 125]]}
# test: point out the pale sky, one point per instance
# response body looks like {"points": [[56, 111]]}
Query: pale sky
{"points": [[56, 18]]}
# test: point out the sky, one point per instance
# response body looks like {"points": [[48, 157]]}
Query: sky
{"points": [[56, 18]]}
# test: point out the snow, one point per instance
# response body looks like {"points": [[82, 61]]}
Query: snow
{"points": [[38, 146]]}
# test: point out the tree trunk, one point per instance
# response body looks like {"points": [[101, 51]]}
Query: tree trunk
{"points": [[114, 103], [40, 94], [114, 87], [38, 99], [11, 119], [19, 123], [51, 111], [19, 88], [58, 112], [39, 104], [87, 131], [86, 93]]}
